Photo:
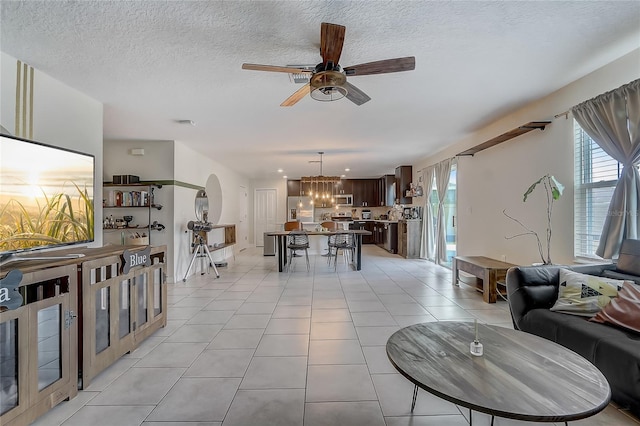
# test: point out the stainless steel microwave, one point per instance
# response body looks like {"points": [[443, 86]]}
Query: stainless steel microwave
{"points": [[344, 200]]}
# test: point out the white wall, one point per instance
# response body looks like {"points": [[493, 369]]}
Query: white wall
{"points": [[155, 165], [62, 116], [496, 179], [173, 160], [193, 168]]}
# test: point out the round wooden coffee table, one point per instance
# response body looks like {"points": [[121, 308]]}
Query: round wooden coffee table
{"points": [[520, 376]]}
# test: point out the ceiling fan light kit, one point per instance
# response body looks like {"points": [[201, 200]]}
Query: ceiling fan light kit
{"points": [[328, 81], [328, 85]]}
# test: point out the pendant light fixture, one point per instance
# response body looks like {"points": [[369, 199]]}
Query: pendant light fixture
{"points": [[321, 183]]}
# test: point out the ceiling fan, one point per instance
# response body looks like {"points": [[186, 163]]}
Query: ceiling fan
{"points": [[328, 81]]}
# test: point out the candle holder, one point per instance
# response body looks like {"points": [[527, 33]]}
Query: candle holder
{"points": [[476, 347]]}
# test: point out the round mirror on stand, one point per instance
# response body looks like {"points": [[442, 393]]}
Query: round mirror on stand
{"points": [[214, 191], [202, 206]]}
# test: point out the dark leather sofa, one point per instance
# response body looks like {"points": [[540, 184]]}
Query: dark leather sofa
{"points": [[532, 291]]}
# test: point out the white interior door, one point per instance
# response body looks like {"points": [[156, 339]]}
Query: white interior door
{"points": [[264, 214], [243, 226]]}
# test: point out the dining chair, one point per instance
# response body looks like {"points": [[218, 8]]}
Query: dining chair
{"points": [[297, 240], [344, 242], [331, 226], [292, 225]]}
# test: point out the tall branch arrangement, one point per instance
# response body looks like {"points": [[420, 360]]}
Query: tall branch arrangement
{"points": [[553, 190]]}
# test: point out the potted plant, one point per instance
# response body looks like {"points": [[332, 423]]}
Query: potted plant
{"points": [[553, 190]]}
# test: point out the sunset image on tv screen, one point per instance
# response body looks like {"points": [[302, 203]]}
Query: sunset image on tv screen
{"points": [[46, 196]]}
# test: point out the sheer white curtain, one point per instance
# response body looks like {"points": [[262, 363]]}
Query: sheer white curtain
{"points": [[427, 246], [442, 175], [613, 121]]}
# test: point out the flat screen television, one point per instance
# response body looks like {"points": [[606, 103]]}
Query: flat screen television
{"points": [[46, 196]]}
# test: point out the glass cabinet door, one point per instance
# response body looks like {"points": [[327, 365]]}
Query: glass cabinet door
{"points": [[103, 319], [49, 345], [9, 365], [157, 291], [142, 294], [125, 308]]}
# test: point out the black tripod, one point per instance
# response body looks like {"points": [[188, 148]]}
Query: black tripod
{"points": [[201, 251]]}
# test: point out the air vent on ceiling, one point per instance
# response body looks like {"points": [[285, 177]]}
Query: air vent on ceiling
{"points": [[301, 78]]}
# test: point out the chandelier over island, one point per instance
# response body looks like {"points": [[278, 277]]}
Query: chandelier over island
{"points": [[319, 187]]}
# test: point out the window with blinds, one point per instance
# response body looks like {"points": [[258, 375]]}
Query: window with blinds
{"points": [[596, 175]]}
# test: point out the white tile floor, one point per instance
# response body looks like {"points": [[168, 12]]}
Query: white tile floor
{"points": [[257, 347]]}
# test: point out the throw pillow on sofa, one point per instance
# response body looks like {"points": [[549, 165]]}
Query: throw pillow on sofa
{"points": [[585, 295], [624, 310]]}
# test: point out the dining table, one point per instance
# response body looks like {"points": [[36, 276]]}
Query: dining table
{"points": [[281, 243]]}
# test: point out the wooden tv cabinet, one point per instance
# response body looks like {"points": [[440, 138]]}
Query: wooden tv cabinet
{"points": [[91, 311]]}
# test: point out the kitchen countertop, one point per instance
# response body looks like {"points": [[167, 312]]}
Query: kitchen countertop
{"points": [[357, 220]]}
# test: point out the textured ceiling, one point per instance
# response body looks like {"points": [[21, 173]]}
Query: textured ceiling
{"points": [[154, 62]]}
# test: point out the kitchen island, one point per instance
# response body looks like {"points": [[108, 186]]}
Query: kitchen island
{"points": [[281, 244]]}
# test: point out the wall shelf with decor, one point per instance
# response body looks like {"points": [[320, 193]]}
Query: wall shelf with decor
{"points": [[128, 200], [521, 130], [404, 177]]}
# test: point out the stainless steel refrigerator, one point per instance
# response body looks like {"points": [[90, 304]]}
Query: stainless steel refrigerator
{"points": [[300, 209]]}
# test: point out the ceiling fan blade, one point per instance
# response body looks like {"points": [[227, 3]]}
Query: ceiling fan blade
{"points": [[273, 68], [356, 95], [299, 94], [331, 41], [383, 67]]}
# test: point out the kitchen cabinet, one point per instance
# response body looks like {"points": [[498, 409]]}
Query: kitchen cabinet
{"points": [[358, 192], [402, 239], [365, 192], [364, 226], [344, 187], [409, 238], [404, 177], [369, 239], [293, 188], [371, 192]]}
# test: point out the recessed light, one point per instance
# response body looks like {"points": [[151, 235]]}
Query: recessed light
{"points": [[284, 177], [347, 170], [343, 175], [280, 170]]}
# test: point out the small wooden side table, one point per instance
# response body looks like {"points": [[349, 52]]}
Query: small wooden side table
{"points": [[490, 271]]}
